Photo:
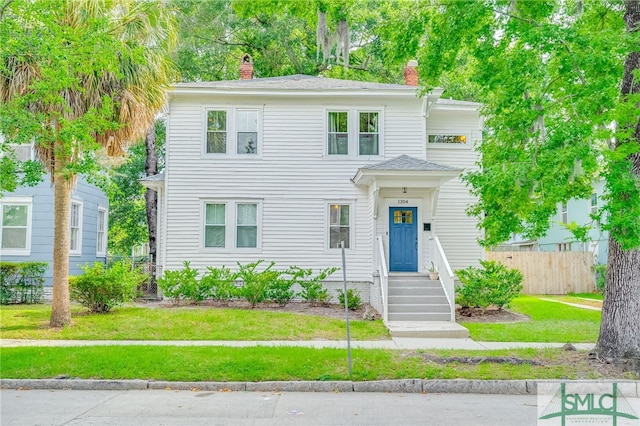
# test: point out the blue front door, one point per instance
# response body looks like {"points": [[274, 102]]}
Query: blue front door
{"points": [[403, 239]]}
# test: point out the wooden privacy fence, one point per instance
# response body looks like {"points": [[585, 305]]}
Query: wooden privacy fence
{"points": [[550, 272]]}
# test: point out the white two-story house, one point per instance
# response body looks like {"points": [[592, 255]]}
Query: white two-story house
{"points": [[287, 169]]}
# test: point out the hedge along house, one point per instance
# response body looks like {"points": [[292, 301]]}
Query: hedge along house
{"points": [[26, 231], [286, 169]]}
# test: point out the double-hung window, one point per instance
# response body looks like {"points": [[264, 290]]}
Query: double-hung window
{"points": [[232, 131], [247, 225], [353, 132], [101, 237], [368, 133], [75, 228], [593, 204], [216, 132], [338, 133], [564, 213], [247, 126], [339, 225], [231, 224], [15, 226], [215, 225]]}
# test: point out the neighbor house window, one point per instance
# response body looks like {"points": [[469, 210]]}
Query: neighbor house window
{"points": [[339, 225], [247, 225], [564, 247], [247, 135], [15, 226], [593, 204], [101, 249], [216, 132], [564, 213], [214, 228], [23, 152], [455, 139], [338, 134], [75, 228], [368, 133]]}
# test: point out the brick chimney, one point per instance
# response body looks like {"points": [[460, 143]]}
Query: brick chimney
{"points": [[411, 73], [246, 67]]}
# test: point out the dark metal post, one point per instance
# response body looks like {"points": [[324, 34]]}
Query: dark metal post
{"points": [[346, 305]]}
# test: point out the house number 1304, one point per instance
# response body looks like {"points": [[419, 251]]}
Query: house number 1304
{"points": [[403, 201]]}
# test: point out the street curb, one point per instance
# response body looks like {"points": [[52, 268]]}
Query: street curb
{"points": [[498, 387]]}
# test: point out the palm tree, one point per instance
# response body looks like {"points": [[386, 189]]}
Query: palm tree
{"points": [[82, 79]]}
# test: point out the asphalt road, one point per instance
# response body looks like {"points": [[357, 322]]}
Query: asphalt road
{"points": [[170, 407]]}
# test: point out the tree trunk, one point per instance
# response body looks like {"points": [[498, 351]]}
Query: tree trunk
{"points": [[620, 328], [151, 196], [60, 309]]}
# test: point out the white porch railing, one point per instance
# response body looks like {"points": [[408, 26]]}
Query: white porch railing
{"points": [[384, 278], [446, 274]]}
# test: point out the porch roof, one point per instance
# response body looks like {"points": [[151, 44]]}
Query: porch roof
{"points": [[403, 169], [154, 182]]}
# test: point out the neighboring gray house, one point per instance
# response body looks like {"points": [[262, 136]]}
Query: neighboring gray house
{"points": [[559, 238], [26, 224]]}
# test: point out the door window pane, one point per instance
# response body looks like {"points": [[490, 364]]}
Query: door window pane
{"points": [[214, 229]]}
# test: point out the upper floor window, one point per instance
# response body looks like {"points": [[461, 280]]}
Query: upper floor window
{"points": [[101, 237], [243, 229], [15, 226], [457, 139], [338, 133], [564, 213], [247, 132], [353, 132], [368, 135], [217, 132], [232, 131], [339, 225], [75, 228], [593, 203]]}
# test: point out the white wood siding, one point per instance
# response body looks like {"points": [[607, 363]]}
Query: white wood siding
{"points": [[294, 181], [457, 231]]}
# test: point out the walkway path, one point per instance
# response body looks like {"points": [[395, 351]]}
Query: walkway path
{"points": [[395, 343]]}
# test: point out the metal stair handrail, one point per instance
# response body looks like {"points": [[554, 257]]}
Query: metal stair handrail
{"points": [[384, 278], [439, 258]]}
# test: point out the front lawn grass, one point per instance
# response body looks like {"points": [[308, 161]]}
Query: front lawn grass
{"points": [[550, 322], [278, 363], [185, 323]]}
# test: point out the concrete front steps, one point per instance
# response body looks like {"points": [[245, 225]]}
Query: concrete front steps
{"points": [[418, 307]]}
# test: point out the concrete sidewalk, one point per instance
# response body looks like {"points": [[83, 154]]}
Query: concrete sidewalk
{"points": [[399, 343]]}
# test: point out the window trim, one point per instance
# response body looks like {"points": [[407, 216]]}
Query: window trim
{"points": [[353, 132], [231, 225], [78, 250], [327, 224], [232, 131], [102, 251], [17, 201]]}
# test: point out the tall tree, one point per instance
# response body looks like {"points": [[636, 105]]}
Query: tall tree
{"points": [[80, 79], [559, 83]]}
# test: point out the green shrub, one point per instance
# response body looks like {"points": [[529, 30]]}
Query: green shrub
{"points": [[182, 284], [221, 284], [280, 289], [601, 276], [354, 301], [255, 284], [21, 282], [99, 289], [312, 289], [493, 284]]}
